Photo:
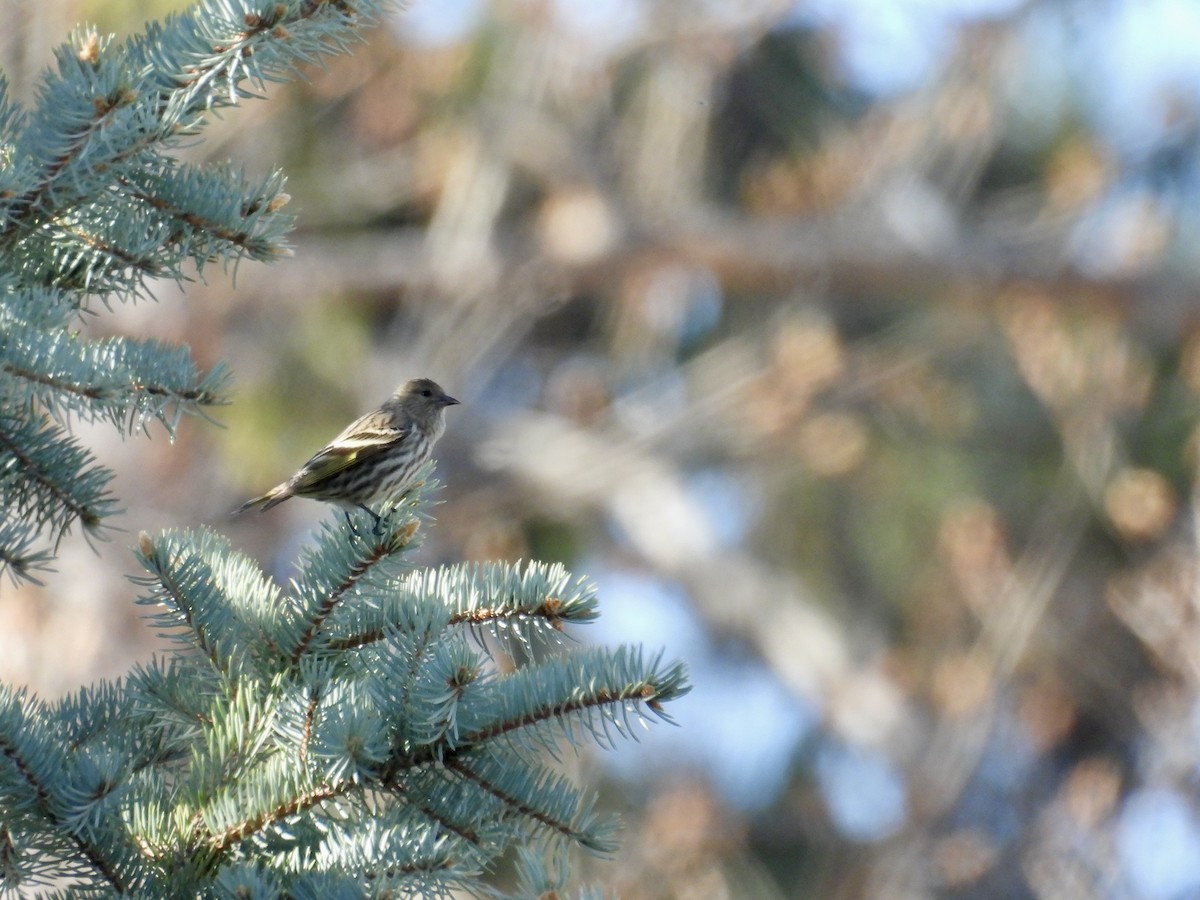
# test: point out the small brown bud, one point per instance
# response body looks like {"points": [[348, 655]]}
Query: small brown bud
{"points": [[89, 52]]}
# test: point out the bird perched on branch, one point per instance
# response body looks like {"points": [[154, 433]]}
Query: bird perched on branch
{"points": [[376, 458]]}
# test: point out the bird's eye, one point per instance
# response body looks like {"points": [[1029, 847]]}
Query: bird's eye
{"points": [[427, 393]]}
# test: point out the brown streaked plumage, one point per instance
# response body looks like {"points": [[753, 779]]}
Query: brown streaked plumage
{"points": [[376, 457]]}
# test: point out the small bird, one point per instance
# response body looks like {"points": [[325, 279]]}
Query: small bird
{"points": [[375, 458]]}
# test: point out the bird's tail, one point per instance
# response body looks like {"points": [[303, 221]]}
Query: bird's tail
{"points": [[273, 497]]}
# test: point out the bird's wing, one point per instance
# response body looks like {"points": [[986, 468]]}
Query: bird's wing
{"points": [[361, 440]]}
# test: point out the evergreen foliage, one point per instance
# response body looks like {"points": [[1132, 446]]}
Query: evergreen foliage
{"points": [[92, 205], [363, 731], [372, 729]]}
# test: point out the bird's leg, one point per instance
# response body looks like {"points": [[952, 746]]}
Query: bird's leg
{"points": [[378, 529], [350, 524]]}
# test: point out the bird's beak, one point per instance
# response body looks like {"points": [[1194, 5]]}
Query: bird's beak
{"points": [[447, 400]]}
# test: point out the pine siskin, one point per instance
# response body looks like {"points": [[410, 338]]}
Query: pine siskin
{"points": [[376, 457]]}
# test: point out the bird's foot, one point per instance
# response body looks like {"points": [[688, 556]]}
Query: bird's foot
{"points": [[378, 529]]}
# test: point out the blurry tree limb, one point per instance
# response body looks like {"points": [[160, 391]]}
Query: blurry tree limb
{"points": [[858, 259]]}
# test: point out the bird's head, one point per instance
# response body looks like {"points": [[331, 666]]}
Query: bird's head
{"points": [[423, 395]]}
